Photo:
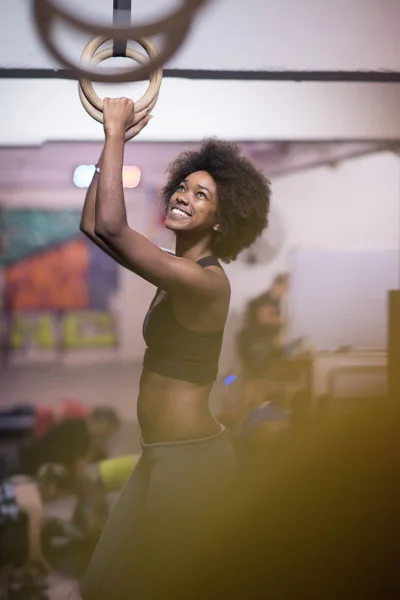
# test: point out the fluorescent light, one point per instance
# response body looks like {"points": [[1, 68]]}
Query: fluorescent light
{"points": [[130, 176], [83, 175]]}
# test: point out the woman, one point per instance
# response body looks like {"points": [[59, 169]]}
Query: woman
{"points": [[217, 204]]}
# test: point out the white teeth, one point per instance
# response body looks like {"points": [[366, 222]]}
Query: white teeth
{"points": [[180, 212]]}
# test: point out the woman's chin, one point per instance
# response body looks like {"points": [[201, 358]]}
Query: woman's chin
{"points": [[169, 225], [174, 225]]}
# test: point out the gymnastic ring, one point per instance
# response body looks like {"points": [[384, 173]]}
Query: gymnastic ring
{"points": [[155, 77], [121, 75], [48, 10], [98, 115], [45, 13]]}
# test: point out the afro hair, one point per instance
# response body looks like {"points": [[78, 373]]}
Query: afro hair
{"points": [[243, 193]]}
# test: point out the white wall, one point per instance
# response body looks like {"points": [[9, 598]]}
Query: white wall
{"points": [[233, 34], [353, 206]]}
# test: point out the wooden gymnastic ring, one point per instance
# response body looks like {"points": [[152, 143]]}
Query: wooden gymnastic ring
{"points": [[98, 115], [175, 27], [121, 75], [155, 77], [48, 10]]}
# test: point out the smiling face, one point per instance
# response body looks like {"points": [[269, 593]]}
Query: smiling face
{"points": [[194, 204]]}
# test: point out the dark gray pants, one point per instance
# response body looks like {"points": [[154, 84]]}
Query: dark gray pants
{"points": [[162, 519]]}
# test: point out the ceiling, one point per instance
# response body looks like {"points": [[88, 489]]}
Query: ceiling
{"points": [[53, 164], [310, 35]]}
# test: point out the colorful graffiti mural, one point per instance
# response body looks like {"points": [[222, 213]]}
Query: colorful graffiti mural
{"points": [[56, 285]]}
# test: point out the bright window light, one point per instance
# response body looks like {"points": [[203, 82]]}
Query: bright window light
{"points": [[83, 175]]}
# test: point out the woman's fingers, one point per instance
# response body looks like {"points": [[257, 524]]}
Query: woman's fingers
{"points": [[137, 128]]}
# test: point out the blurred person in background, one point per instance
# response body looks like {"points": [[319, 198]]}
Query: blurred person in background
{"points": [[71, 442], [259, 342], [22, 516]]}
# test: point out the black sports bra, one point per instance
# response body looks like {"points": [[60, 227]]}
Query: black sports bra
{"points": [[173, 350]]}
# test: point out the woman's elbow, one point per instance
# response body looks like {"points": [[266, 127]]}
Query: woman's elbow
{"points": [[84, 227], [102, 232], [87, 230]]}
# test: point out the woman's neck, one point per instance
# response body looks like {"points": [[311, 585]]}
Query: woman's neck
{"points": [[192, 249]]}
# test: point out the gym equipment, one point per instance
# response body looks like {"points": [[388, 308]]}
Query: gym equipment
{"points": [[174, 27], [93, 104]]}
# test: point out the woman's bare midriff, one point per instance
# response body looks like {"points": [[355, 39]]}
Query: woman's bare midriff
{"points": [[171, 410]]}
